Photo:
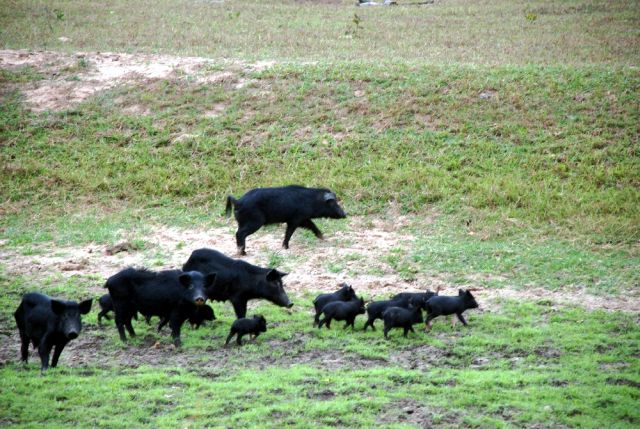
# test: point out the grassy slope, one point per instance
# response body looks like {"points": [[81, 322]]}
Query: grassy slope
{"points": [[543, 173], [492, 32], [414, 135]]}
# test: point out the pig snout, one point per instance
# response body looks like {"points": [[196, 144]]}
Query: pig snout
{"points": [[72, 335], [289, 305], [200, 301]]}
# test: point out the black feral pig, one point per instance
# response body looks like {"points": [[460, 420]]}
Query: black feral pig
{"points": [[106, 306], [446, 305], [244, 326], [294, 205], [172, 295], [198, 317], [201, 314], [398, 317], [341, 310], [418, 298], [345, 293], [376, 308], [238, 281], [48, 322]]}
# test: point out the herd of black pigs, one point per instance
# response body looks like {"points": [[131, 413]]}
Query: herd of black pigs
{"points": [[180, 295]]}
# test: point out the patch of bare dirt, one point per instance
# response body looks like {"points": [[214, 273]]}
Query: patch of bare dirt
{"points": [[72, 78], [91, 349], [357, 255], [411, 412]]}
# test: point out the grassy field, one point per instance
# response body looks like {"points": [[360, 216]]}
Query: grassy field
{"points": [[459, 31], [491, 145]]}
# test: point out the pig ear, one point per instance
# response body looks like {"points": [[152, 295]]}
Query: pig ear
{"points": [[85, 306], [273, 275], [461, 292], [58, 307], [185, 280], [210, 280], [329, 196]]}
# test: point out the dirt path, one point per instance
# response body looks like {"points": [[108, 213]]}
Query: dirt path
{"points": [[356, 256]]}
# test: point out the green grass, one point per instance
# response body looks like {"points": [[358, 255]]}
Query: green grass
{"points": [[458, 31], [505, 132], [530, 157], [521, 363]]}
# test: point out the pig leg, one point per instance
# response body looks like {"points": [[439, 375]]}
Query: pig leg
{"points": [[239, 339], [291, 227], [464, 322], [316, 319], [129, 327], [231, 334], [369, 322], [320, 323], [327, 321], [245, 230], [175, 323], [24, 347], [56, 353], [351, 322], [44, 350], [162, 323], [406, 331], [386, 331], [308, 224], [428, 322], [102, 314], [240, 307]]}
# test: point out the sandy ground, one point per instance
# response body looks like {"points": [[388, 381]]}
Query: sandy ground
{"points": [[71, 78]]}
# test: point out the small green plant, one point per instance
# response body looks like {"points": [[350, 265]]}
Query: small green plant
{"points": [[275, 260], [530, 16], [59, 14], [355, 27]]}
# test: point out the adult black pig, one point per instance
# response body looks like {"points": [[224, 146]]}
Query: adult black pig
{"points": [[47, 322], [294, 205], [172, 295], [238, 281]]}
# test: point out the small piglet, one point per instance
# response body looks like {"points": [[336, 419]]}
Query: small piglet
{"points": [[48, 322], [340, 310], [200, 315], [398, 317], [376, 308], [345, 293], [446, 305], [106, 306], [245, 326]]}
